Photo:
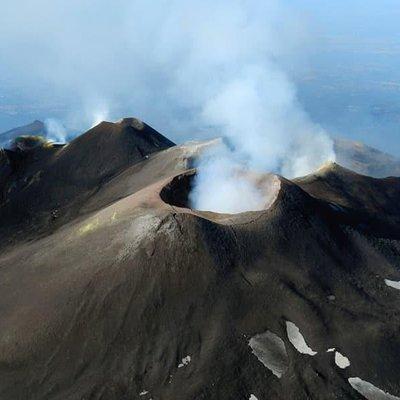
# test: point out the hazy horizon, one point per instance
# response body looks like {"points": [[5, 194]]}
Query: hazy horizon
{"points": [[346, 74]]}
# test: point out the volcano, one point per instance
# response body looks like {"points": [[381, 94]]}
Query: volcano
{"points": [[366, 160], [112, 287], [35, 128]]}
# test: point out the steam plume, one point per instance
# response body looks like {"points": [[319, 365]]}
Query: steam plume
{"points": [[214, 68], [221, 186], [55, 131]]}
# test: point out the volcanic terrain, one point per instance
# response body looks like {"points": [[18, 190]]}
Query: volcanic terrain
{"points": [[36, 128], [113, 288]]}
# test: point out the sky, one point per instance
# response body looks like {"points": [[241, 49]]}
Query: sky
{"points": [[353, 85], [83, 61]]}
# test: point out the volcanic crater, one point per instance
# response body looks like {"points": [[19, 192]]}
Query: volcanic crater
{"points": [[177, 192], [113, 288]]}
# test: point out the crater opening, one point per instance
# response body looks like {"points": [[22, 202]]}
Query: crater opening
{"points": [[179, 191]]}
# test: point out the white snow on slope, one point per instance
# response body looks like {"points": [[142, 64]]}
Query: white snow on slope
{"points": [[185, 361], [331, 350], [270, 351], [341, 360], [297, 339], [369, 391], [393, 284]]}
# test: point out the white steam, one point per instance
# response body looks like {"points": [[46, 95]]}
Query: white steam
{"points": [[100, 116], [55, 131], [254, 105], [221, 185], [214, 68], [259, 113]]}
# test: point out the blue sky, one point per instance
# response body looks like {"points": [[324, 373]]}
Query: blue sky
{"points": [[348, 79]]}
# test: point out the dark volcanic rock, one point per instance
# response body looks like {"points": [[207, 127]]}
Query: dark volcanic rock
{"points": [[48, 179], [129, 294]]}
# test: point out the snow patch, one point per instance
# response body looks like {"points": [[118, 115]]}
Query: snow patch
{"points": [[297, 339], [393, 284], [252, 397], [270, 351], [331, 350], [143, 393], [185, 361], [369, 391], [341, 360]]}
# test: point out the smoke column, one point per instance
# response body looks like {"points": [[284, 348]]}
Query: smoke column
{"points": [[195, 69], [258, 112], [55, 131]]}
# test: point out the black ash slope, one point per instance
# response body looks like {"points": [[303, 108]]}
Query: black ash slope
{"points": [[134, 296]]}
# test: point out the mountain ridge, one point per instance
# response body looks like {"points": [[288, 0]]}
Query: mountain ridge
{"points": [[354, 155], [133, 294]]}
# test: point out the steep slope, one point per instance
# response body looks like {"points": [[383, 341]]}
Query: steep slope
{"points": [[365, 159], [48, 185], [359, 197], [136, 296]]}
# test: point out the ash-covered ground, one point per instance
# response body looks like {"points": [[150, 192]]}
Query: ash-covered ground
{"points": [[112, 287]]}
